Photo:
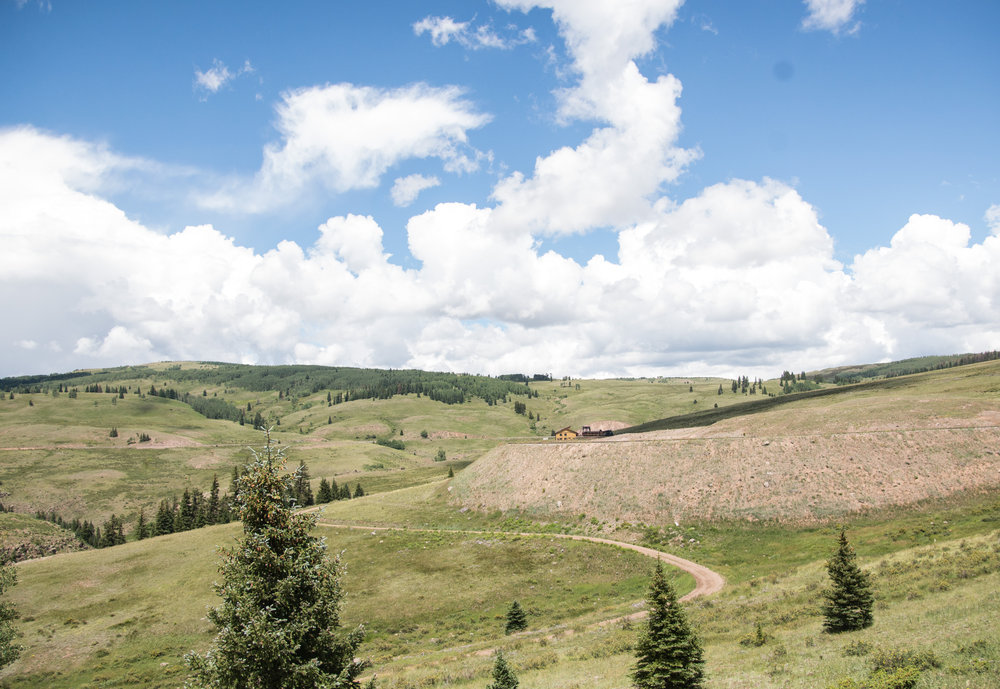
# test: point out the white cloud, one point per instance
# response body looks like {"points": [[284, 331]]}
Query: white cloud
{"points": [[611, 178], [832, 15], [992, 217], [444, 30], [218, 75], [740, 277], [343, 137], [405, 190]]}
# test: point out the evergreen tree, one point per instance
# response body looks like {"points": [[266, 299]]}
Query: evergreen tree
{"points": [[849, 599], [668, 654], [345, 492], [503, 675], [516, 619], [358, 491], [212, 509], [187, 512], [9, 651], [324, 494], [451, 472], [142, 527], [303, 490], [164, 520], [279, 621]]}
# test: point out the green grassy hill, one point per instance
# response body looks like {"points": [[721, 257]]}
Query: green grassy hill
{"points": [[432, 591]]}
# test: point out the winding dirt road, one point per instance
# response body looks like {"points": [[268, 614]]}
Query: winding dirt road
{"points": [[705, 580]]}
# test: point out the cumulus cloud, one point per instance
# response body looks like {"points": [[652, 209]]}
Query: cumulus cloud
{"points": [[740, 276], [342, 137], [832, 15], [218, 75], [405, 190], [444, 30], [611, 178]]}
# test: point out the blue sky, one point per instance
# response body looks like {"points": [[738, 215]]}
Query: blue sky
{"points": [[586, 188]]}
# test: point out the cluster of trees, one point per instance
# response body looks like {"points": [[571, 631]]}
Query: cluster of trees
{"points": [[194, 510], [744, 385], [908, 366], [521, 378], [111, 532]]}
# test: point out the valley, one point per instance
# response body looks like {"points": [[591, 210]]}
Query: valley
{"points": [[911, 469]]}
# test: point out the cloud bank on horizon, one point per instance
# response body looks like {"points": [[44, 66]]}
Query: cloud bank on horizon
{"points": [[740, 277]]}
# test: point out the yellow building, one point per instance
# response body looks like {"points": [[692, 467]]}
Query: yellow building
{"points": [[566, 434]]}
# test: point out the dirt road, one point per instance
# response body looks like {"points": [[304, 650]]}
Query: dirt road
{"points": [[706, 581]]}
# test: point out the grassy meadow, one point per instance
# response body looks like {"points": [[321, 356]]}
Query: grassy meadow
{"points": [[431, 566]]}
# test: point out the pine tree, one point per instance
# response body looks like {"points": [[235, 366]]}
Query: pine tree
{"points": [[668, 654], [212, 509], [164, 523], [142, 527], [359, 492], [503, 675], [303, 491], [849, 599], [451, 472], [324, 494], [9, 651], [516, 619], [279, 621]]}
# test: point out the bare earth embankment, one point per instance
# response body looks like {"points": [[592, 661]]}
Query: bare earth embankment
{"points": [[808, 461]]}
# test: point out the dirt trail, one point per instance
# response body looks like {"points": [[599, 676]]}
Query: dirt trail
{"points": [[706, 581]]}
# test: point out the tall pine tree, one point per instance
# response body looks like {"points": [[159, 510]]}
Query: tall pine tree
{"points": [[668, 654], [279, 621], [849, 600]]}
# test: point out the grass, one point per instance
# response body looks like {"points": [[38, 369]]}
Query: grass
{"points": [[434, 601], [130, 612]]}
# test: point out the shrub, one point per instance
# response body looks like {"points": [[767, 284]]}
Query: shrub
{"points": [[895, 658], [757, 638], [858, 648]]}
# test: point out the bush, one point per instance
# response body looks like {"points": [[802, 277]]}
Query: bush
{"points": [[894, 659], [391, 442], [756, 638], [858, 648]]}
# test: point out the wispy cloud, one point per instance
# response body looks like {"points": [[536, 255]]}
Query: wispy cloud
{"points": [[444, 30], [218, 75], [836, 16], [405, 190]]}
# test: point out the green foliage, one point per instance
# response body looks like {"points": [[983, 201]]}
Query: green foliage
{"points": [[756, 639], [516, 618], [503, 674], [441, 455], [391, 442], [668, 654], [849, 599], [9, 651], [858, 647], [281, 594], [897, 678], [896, 658]]}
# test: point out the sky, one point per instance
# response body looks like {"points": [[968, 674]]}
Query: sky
{"points": [[575, 187]]}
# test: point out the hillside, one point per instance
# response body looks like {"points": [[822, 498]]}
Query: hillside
{"points": [[433, 588], [925, 436]]}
